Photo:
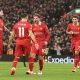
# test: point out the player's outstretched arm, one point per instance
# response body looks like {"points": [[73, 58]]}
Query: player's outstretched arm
{"points": [[32, 36], [33, 39]]}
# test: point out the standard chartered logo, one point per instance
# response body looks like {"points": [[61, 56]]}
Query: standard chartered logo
{"points": [[60, 60]]}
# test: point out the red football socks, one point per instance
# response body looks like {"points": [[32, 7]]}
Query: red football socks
{"points": [[76, 59], [31, 63], [40, 65], [15, 62]]}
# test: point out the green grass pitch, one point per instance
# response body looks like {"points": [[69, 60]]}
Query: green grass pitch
{"points": [[51, 72]]}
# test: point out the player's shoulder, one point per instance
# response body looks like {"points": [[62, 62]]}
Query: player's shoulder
{"points": [[27, 23], [70, 24], [20, 23], [44, 25], [16, 24]]}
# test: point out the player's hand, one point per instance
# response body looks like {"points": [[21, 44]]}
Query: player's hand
{"points": [[37, 46], [71, 32]]}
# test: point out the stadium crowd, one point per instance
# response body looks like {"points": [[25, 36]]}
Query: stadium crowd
{"points": [[53, 12]]}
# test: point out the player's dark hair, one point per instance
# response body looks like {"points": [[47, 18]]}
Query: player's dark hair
{"points": [[24, 15], [36, 14], [75, 16]]}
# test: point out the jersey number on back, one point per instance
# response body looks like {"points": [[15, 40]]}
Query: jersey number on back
{"points": [[21, 31]]}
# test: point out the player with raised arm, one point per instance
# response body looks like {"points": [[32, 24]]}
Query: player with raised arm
{"points": [[21, 31], [74, 30], [42, 36]]}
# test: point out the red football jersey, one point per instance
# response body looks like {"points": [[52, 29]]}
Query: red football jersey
{"points": [[21, 30], [71, 27], [41, 32], [1, 28]]}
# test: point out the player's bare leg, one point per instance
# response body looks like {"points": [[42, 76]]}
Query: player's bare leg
{"points": [[13, 69]]}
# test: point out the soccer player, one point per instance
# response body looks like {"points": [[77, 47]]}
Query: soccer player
{"points": [[74, 30], [1, 31], [42, 36], [21, 31]]}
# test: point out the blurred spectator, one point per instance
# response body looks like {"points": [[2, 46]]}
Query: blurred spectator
{"points": [[57, 48]]}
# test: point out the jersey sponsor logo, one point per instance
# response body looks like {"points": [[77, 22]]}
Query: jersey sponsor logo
{"points": [[37, 33]]}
